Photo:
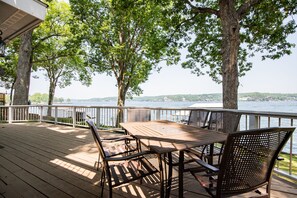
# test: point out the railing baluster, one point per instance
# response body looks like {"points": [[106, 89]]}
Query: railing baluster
{"points": [[291, 150]]}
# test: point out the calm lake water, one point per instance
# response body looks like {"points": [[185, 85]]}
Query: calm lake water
{"points": [[277, 106], [274, 106]]}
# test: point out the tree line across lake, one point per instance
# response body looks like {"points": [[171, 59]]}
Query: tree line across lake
{"points": [[42, 98], [215, 97]]}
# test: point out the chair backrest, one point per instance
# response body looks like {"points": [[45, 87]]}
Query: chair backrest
{"points": [[96, 137], [249, 158], [198, 118], [225, 121], [138, 115]]}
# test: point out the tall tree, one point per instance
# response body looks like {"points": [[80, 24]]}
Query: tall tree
{"points": [[22, 84], [221, 35], [55, 53], [123, 39]]}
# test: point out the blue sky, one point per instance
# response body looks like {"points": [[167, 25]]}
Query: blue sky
{"points": [[274, 76]]}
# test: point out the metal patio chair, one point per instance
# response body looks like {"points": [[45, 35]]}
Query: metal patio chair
{"points": [[198, 118], [113, 148], [247, 162], [224, 121], [118, 170]]}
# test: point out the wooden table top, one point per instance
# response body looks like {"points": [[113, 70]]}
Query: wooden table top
{"points": [[164, 136]]}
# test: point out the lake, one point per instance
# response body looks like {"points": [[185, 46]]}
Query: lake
{"points": [[277, 106], [274, 106]]}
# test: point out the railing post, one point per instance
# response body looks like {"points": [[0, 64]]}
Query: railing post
{"points": [[56, 115], [158, 114], [10, 114], [41, 113], [253, 122], [74, 117], [98, 117]]}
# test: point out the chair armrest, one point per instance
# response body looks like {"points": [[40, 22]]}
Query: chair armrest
{"points": [[207, 166], [117, 138], [116, 130], [128, 157]]}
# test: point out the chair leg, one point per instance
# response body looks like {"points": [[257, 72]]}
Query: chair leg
{"points": [[268, 188], [98, 163], [102, 182], [109, 182]]}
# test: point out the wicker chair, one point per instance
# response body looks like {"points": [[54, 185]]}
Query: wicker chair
{"points": [[133, 165], [247, 162]]}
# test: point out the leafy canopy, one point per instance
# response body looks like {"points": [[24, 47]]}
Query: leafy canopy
{"points": [[123, 38], [54, 50], [264, 29]]}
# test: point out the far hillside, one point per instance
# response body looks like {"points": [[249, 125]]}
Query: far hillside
{"points": [[216, 97]]}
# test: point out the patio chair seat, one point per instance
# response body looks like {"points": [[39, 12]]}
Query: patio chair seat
{"points": [[116, 145], [127, 171]]}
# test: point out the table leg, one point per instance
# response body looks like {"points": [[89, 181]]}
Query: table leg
{"points": [[211, 154], [161, 176], [181, 174], [169, 178]]}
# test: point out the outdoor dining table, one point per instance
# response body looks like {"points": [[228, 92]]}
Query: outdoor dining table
{"points": [[164, 137]]}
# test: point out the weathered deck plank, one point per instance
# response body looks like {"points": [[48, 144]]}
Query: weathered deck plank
{"points": [[45, 160]]}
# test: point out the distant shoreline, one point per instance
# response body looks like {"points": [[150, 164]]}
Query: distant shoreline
{"points": [[216, 97]]}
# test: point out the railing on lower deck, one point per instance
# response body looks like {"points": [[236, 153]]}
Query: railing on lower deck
{"points": [[106, 117]]}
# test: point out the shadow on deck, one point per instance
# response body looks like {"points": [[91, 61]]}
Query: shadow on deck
{"points": [[46, 160]]}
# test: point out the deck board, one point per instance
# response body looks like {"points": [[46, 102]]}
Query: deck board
{"points": [[46, 160]]}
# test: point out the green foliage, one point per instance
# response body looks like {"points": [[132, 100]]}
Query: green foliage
{"points": [[123, 38], [8, 64], [54, 51], [199, 28], [284, 165], [267, 32], [42, 98]]}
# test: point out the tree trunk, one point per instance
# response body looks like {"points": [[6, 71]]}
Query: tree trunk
{"points": [[121, 103], [51, 95], [230, 47], [22, 84]]}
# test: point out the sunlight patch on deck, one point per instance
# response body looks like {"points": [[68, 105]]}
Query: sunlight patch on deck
{"points": [[81, 136], [133, 190], [74, 168]]}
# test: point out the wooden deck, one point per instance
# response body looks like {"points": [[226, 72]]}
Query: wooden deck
{"points": [[46, 160]]}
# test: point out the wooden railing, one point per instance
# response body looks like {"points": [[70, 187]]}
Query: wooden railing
{"points": [[107, 117]]}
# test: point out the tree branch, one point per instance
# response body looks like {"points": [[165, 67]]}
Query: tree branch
{"points": [[47, 37], [52, 58], [244, 8], [202, 10], [176, 29]]}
